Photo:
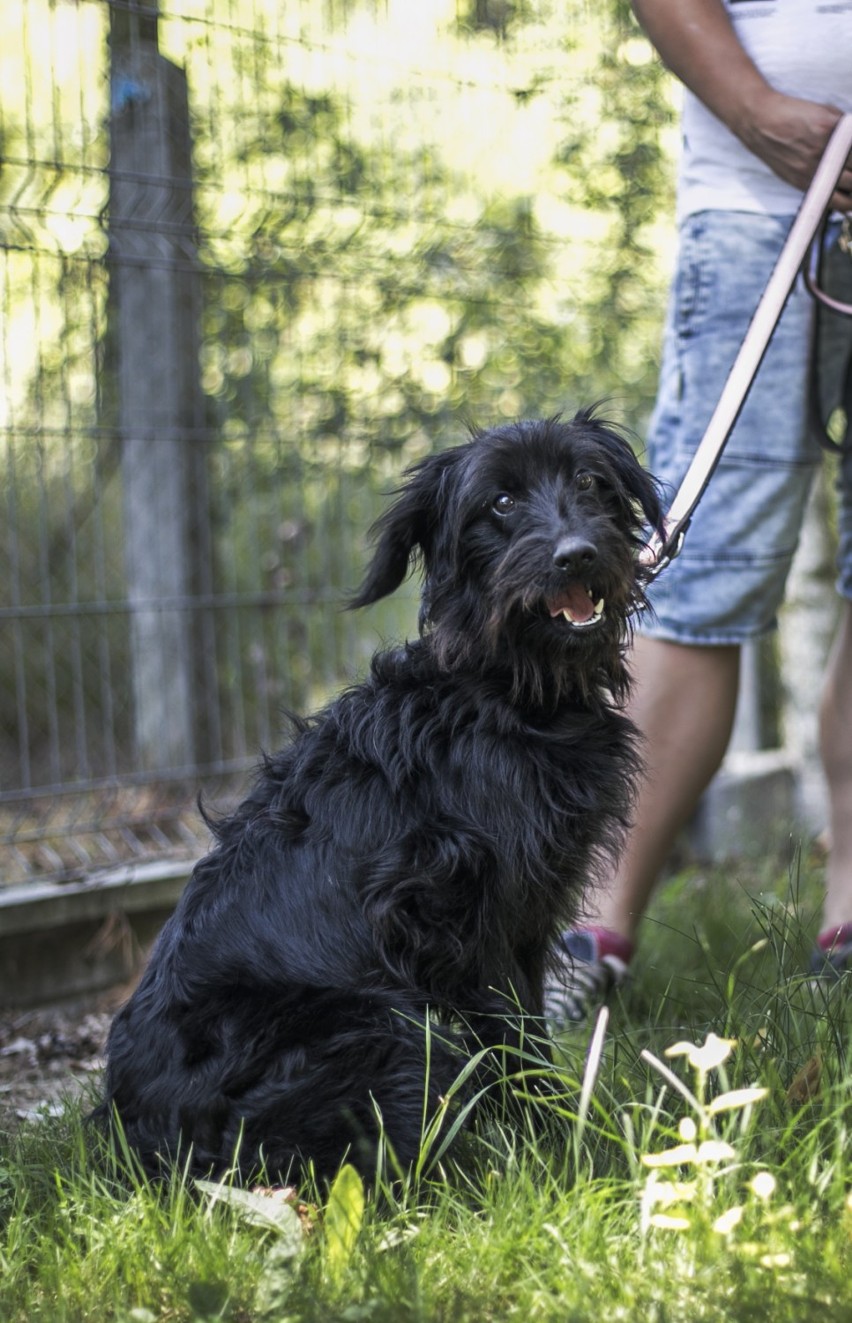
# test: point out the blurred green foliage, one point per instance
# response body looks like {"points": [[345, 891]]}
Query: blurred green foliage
{"points": [[381, 298], [377, 296], [377, 272]]}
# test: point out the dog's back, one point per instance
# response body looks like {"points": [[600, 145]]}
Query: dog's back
{"points": [[384, 901]]}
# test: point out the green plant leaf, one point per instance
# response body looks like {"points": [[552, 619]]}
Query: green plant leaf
{"points": [[344, 1215]]}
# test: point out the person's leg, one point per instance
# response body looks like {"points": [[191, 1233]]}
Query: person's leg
{"points": [[728, 582], [835, 730], [836, 748], [683, 702]]}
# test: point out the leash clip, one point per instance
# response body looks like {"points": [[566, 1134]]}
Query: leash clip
{"points": [[659, 553]]}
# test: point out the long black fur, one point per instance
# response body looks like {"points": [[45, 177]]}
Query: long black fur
{"points": [[410, 856]]}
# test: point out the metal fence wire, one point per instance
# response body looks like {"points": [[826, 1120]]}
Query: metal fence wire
{"points": [[254, 259]]}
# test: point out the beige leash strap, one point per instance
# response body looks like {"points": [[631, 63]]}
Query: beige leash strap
{"points": [[660, 551]]}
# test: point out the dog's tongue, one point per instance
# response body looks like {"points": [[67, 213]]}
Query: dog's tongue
{"points": [[575, 600]]}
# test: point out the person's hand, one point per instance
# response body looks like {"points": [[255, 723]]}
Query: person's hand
{"points": [[790, 135]]}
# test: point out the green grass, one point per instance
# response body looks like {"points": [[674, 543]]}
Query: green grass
{"points": [[574, 1226]]}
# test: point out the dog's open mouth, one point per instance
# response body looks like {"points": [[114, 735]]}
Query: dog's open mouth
{"points": [[576, 604]]}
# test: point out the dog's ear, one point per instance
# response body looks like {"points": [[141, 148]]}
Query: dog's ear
{"points": [[638, 485], [645, 490], [409, 526]]}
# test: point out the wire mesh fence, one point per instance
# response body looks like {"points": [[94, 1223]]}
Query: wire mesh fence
{"points": [[254, 259]]}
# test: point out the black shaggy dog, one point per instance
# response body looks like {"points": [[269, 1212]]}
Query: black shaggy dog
{"points": [[410, 857]]}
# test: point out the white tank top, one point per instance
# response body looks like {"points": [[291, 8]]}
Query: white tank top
{"points": [[802, 48]]}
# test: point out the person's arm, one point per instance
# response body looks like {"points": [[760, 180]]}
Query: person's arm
{"points": [[697, 42]]}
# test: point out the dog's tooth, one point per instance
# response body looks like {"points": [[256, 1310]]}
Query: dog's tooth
{"points": [[599, 606], [568, 616]]}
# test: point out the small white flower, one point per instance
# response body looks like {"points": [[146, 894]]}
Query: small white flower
{"points": [[669, 1222], [762, 1185], [671, 1157], [666, 1193], [775, 1260], [709, 1150], [712, 1052], [714, 1150], [734, 1098], [725, 1223], [687, 1129]]}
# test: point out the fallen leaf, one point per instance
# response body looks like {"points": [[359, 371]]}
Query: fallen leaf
{"points": [[265, 1206], [806, 1082]]}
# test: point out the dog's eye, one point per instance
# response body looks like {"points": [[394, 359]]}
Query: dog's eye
{"points": [[584, 482], [503, 504]]}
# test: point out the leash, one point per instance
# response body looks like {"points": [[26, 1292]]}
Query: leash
{"points": [[806, 228]]}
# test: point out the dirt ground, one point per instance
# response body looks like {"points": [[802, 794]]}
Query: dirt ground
{"points": [[49, 1055]]}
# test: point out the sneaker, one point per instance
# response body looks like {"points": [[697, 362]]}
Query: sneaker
{"points": [[581, 977], [831, 958]]}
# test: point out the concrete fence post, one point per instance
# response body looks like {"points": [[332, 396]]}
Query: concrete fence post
{"points": [[154, 305]]}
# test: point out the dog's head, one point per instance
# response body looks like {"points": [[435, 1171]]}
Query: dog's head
{"points": [[529, 536]]}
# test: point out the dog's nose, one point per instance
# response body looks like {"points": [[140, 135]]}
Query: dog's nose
{"points": [[575, 555]]}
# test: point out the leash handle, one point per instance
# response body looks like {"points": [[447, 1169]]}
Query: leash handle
{"points": [[660, 551]]}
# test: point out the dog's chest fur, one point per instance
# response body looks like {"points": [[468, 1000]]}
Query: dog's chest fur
{"points": [[439, 826]]}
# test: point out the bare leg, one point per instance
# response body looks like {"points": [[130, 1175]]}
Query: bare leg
{"points": [[684, 702], [836, 747]]}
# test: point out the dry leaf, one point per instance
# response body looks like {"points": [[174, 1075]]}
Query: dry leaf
{"points": [[806, 1082]]}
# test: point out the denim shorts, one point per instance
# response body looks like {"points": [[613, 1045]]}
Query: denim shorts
{"points": [[728, 582]]}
